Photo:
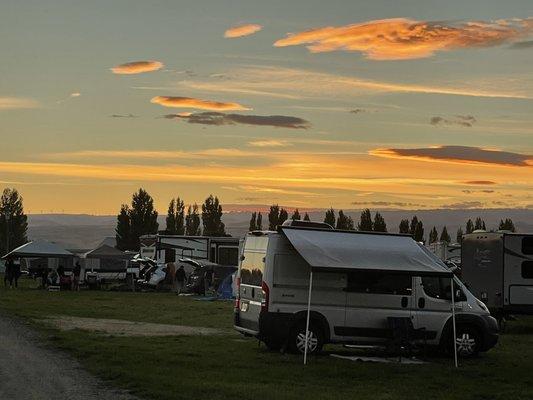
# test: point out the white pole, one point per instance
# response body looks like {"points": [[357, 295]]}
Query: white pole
{"points": [[454, 328], [308, 315]]}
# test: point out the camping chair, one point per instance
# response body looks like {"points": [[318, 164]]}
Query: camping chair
{"points": [[403, 334]]}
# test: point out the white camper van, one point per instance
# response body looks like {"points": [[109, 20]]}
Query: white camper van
{"points": [[359, 281]]}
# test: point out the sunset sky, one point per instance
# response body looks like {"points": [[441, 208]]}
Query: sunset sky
{"points": [[382, 104]]}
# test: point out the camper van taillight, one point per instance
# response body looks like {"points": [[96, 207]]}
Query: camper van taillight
{"points": [[264, 301]]}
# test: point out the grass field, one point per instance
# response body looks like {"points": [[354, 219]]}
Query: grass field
{"points": [[231, 367]]}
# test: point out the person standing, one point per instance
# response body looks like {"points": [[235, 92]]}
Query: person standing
{"points": [[8, 273], [76, 276], [15, 274], [44, 277], [180, 279]]}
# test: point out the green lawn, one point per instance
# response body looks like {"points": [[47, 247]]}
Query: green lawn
{"points": [[230, 367]]}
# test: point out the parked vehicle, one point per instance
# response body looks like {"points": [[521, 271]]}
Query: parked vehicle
{"points": [[205, 275], [170, 248], [360, 280], [498, 268]]}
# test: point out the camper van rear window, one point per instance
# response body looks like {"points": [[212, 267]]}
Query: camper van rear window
{"points": [[252, 268], [527, 269], [527, 245]]}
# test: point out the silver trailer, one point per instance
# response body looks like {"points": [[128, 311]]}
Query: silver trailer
{"points": [[497, 267]]}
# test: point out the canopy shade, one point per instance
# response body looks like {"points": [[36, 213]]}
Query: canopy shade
{"points": [[39, 248], [341, 250], [105, 251]]}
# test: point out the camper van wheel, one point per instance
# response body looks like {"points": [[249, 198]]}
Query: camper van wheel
{"points": [[467, 341], [297, 339]]}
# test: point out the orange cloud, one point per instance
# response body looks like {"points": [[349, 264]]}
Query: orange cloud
{"points": [[189, 102], [401, 38], [242, 30], [137, 67], [461, 154], [14, 103]]}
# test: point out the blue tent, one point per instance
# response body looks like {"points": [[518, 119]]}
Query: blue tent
{"points": [[225, 290]]}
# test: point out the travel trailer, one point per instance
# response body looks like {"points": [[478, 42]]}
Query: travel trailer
{"points": [[170, 248], [354, 283], [497, 267]]}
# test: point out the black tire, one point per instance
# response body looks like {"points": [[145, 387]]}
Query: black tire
{"points": [[297, 338], [468, 342]]}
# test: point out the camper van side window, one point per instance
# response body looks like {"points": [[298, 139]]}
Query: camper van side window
{"points": [[527, 245], [252, 268], [376, 282], [527, 269]]}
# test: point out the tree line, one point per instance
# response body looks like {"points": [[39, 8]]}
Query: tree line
{"points": [[414, 227], [140, 218]]}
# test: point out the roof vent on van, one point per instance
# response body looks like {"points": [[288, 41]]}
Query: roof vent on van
{"points": [[307, 224]]}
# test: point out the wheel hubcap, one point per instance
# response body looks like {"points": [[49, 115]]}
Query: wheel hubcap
{"points": [[466, 344], [312, 342]]}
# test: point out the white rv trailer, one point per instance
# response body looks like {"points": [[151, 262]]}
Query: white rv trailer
{"points": [[360, 281], [446, 251], [498, 268], [170, 248]]}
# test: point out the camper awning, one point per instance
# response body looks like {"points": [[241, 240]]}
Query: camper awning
{"points": [[341, 250], [39, 248]]}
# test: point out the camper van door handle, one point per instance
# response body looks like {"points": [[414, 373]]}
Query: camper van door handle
{"points": [[421, 302], [404, 302]]}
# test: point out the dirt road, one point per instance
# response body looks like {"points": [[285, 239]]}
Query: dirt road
{"points": [[30, 371]]}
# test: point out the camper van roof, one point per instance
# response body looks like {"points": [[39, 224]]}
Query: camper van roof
{"points": [[340, 250]]}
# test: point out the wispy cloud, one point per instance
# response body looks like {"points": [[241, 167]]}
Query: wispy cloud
{"points": [[123, 116], [528, 44], [137, 67], [242, 30], [484, 183], [463, 154], [464, 205], [189, 102], [16, 103], [269, 143], [70, 96], [294, 83], [460, 120], [401, 38], [216, 118]]}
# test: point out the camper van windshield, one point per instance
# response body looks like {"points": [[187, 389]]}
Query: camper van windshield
{"points": [[252, 268]]}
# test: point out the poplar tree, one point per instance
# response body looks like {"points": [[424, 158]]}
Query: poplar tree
{"points": [[330, 217], [212, 217], [379, 224], [365, 222], [13, 221]]}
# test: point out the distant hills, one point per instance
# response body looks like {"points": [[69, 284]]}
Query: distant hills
{"points": [[82, 231]]}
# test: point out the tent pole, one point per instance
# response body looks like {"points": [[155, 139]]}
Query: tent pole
{"points": [[454, 341], [308, 315]]}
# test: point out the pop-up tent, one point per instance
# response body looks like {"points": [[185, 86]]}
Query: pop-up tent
{"points": [[332, 250], [37, 249], [106, 259]]}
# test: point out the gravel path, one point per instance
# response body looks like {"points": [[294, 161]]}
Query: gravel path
{"points": [[30, 371], [121, 327]]}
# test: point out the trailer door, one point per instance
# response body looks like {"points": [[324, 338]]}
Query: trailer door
{"points": [[518, 270]]}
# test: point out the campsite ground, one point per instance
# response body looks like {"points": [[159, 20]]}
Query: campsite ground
{"points": [[227, 366]]}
